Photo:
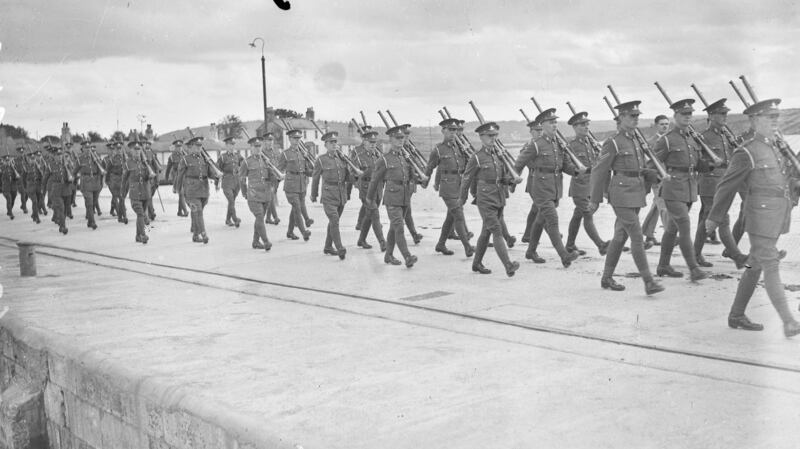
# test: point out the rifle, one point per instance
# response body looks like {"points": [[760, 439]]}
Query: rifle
{"points": [[500, 149], [563, 143], [207, 157], [695, 135], [733, 141], [596, 147], [640, 139], [412, 148], [353, 167], [461, 140], [418, 169], [304, 151], [278, 174]]}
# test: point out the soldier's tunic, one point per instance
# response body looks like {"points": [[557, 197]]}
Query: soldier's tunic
{"points": [[60, 188], [657, 208], [395, 175], [450, 162], [193, 175], [335, 175], [487, 173], [115, 167], [33, 172], [258, 182], [8, 182], [297, 170], [548, 161], [91, 183], [680, 156], [172, 169], [19, 161], [618, 170], [229, 162], [760, 168], [366, 159], [580, 191], [136, 181]]}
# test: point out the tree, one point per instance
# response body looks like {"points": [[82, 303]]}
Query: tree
{"points": [[15, 132], [94, 136], [230, 126], [51, 139], [287, 113], [118, 136]]}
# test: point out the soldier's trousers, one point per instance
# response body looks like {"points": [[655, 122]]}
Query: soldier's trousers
{"points": [[196, 206], [492, 227], [230, 195], [724, 228], [763, 258], [678, 226], [183, 208], [151, 210], [259, 210], [118, 203], [582, 212], [547, 216], [454, 220], [627, 225], [657, 210], [303, 210], [334, 213], [409, 220], [296, 200], [396, 236], [23, 197], [90, 198], [362, 212], [140, 209], [60, 204], [36, 203], [372, 219], [11, 198]]}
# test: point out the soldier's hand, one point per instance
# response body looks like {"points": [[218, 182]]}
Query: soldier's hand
{"points": [[711, 226], [593, 206]]}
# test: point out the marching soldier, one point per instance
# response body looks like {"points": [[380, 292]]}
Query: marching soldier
{"points": [[115, 167], [297, 170], [73, 188], [8, 182], [707, 186], [48, 157], [33, 171], [272, 154], [657, 208], [535, 130], [486, 171], [579, 188], [178, 152], [353, 154], [137, 181], [335, 174], [229, 162], [60, 177], [396, 176], [763, 170], [409, 219], [91, 182], [450, 162], [679, 154], [258, 179], [366, 156], [193, 174], [18, 161], [620, 170], [549, 161], [155, 166]]}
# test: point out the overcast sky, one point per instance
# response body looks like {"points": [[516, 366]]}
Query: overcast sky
{"points": [[187, 62]]}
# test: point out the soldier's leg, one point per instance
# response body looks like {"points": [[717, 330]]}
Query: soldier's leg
{"points": [[629, 219], [492, 222], [680, 215], [589, 227], [395, 215], [526, 236], [333, 212], [151, 210], [64, 203], [230, 198], [23, 197], [409, 220], [574, 224], [447, 226], [397, 227], [139, 207], [201, 217], [480, 247], [182, 206], [510, 239], [259, 209], [195, 211], [548, 215], [296, 217], [9, 203], [738, 226], [96, 200], [651, 220], [732, 250], [113, 208], [763, 253], [667, 244], [700, 233], [362, 213], [236, 218], [303, 209], [615, 247], [88, 202], [460, 225], [34, 196]]}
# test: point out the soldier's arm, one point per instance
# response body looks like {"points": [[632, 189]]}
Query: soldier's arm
{"points": [[736, 175], [179, 175], [469, 175], [315, 180], [170, 167], [526, 154], [433, 162], [378, 175], [602, 171], [661, 149]]}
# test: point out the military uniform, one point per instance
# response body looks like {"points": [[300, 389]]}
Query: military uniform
{"points": [[546, 161], [487, 173], [679, 154], [272, 154], [152, 161], [297, 170], [396, 177], [33, 171], [172, 168], [137, 182], [619, 171], [193, 175], [115, 166], [60, 192], [91, 184], [353, 154], [73, 187], [19, 160], [449, 161], [759, 166], [229, 162], [408, 217], [335, 174], [579, 190], [657, 210], [366, 158], [257, 182], [8, 183]]}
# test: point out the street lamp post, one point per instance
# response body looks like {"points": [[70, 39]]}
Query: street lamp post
{"points": [[263, 78]]}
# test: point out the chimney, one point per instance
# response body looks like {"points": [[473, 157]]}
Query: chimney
{"points": [[310, 113]]}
